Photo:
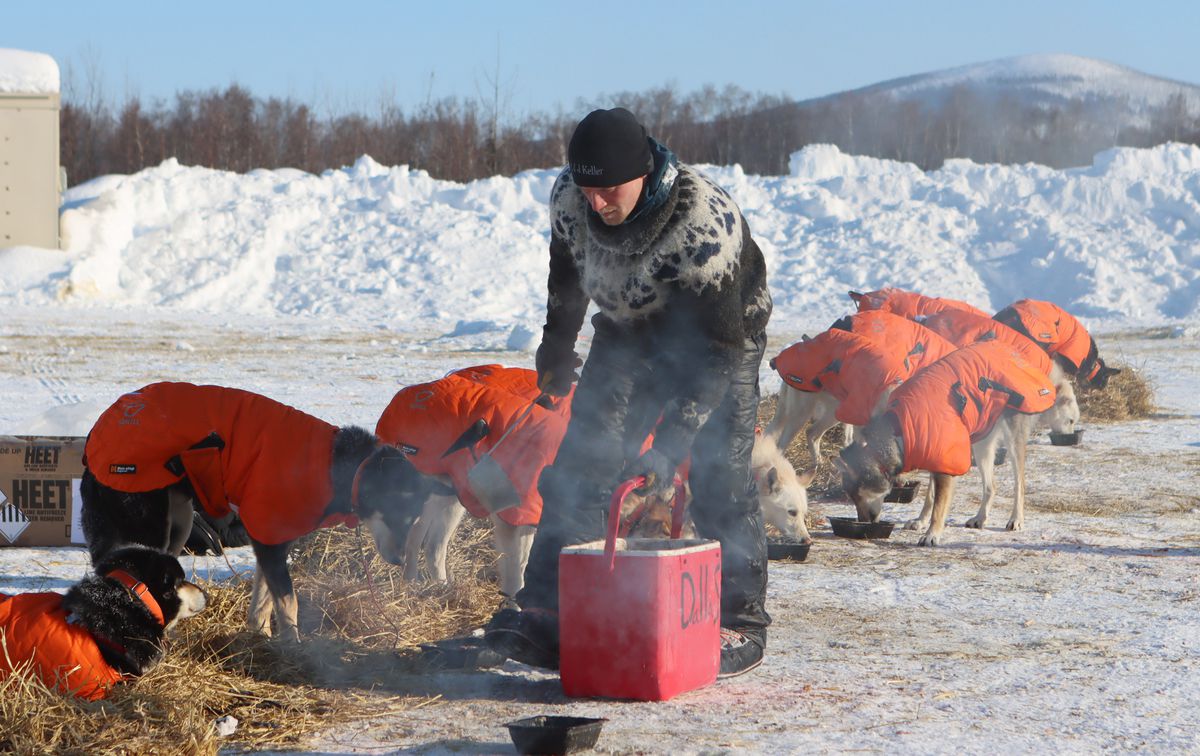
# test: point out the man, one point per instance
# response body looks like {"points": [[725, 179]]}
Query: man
{"points": [[681, 289]]}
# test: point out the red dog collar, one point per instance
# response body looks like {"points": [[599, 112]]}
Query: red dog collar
{"points": [[140, 591]]}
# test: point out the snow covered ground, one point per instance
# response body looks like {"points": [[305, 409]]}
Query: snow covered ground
{"points": [[330, 292]]}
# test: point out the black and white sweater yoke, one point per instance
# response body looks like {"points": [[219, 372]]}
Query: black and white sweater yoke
{"points": [[686, 273]]}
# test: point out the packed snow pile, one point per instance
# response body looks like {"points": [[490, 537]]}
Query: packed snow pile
{"points": [[23, 72], [1116, 243]]}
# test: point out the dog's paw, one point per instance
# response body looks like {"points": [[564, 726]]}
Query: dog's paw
{"points": [[976, 522], [916, 525], [930, 539], [1016, 525]]}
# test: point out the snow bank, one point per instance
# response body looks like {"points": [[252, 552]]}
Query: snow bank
{"points": [[1117, 243]]}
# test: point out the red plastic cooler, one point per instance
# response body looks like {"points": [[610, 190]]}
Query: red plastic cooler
{"points": [[639, 618]]}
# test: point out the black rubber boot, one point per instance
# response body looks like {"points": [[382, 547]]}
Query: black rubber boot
{"points": [[741, 651], [529, 636]]}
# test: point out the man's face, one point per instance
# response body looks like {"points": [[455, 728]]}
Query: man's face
{"points": [[614, 203]]}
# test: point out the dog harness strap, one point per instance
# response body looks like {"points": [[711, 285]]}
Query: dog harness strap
{"points": [[140, 591], [211, 441], [1015, 398], [917, 349], [958, 398]]}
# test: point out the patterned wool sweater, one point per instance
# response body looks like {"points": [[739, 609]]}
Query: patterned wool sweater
{"points": [[685, 276]]}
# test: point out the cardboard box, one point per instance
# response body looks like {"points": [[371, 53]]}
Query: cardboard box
{"points": [[39, 490]]}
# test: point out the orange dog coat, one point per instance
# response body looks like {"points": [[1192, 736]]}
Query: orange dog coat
{"points": [[965, 328], [907, 304], [907, 339], [942, 409], [812, 364], [239, 450], [856, 367], [426, 419], [65, 656], [1055, 329]]}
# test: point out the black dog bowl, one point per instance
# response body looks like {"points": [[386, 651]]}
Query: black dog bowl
{"points": [[459, 653], [847, 527], [792, 550], [551, 734], [1066, 439], [903, 493]]}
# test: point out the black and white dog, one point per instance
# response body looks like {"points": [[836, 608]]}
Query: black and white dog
{"points": [[259, 462], [107, 627]]}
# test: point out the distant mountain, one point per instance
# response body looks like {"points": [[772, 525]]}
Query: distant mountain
{"points": [[1042, 80], [1057, 110]]}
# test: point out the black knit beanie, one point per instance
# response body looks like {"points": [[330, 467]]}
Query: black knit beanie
{"points": [[609, 147]]}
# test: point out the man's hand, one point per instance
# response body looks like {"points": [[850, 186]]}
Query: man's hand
{"points": [[556, 371], [659, 473]]}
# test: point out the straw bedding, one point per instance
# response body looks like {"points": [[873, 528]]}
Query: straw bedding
{"points": [[358, 639]]}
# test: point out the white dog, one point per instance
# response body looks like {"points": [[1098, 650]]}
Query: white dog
{"points": [[987, 392], [847, 374]]}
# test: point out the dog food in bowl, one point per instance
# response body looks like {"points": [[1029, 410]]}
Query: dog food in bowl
{"points": [[903, 492], [848, 527], [1066, 439], [555, 734], [788, 550]]}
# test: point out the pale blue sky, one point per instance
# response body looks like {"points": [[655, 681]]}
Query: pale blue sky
{"points": [[354, 54]]}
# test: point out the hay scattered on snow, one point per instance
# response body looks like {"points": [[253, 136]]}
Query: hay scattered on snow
{"points": [[385, 612]]}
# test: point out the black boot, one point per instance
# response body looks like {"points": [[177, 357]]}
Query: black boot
{"points": [[741, 651], [529, 636]]}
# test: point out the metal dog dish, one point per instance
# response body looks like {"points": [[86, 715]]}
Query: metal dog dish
{"points": [[459, 653], [847, 527], [1066, 439], [903, 493], [551, 734], [788, 550]]}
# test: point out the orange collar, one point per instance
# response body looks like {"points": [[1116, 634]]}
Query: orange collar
{"points": [[139, 590]]}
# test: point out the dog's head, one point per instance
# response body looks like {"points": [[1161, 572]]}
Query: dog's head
{"points": [[391, 494], [783, 498], [782, 494], [864, 478], [1063, 417], [163, 578], [1099, 375]]}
